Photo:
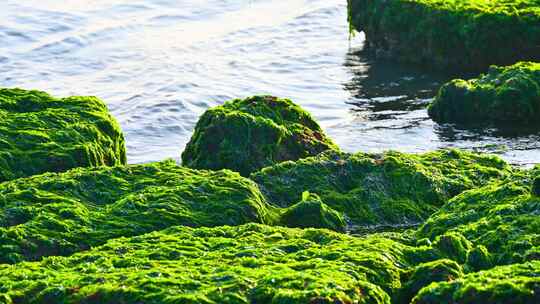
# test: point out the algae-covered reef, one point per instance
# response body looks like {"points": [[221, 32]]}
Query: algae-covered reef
{"points": [[243, 264], [245, 135], [502, 217], [40, 133], [519, 283], [381, 189], [62, 213], [450, 34], [503, 95]]}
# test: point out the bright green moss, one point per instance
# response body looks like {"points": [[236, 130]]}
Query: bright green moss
{"points": [[246, 135], [450, 34], [58, 214], [453, 245], [518, 283], [443, 270], [40, 133], [504, 94], [536, 186], [312, 212], [243, 264], [479, 258], [503, 217], [387, 189]]}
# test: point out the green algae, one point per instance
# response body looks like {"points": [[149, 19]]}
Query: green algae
{"points": [[62, 213], [450, 34], [250, 263], [245, 135], [380, 189], [312, 212], [443, 270], [505, 94], [502, 217], [517, 283], [40, 133]]}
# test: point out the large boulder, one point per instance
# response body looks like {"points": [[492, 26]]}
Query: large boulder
{"points": [[462, 35], [62, 213], [503, 95], [501, 218], [245, 135], [40, 133], [379, 191]]}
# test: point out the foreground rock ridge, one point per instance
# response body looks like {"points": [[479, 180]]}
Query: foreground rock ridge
{"points": [[40, 133], [318, 226], [463, 35]]}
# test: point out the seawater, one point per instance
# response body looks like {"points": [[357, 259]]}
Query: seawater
{"points": [[159, 64]]}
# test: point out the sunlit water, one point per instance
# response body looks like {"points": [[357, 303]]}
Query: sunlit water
{"points": [[160, 63]]}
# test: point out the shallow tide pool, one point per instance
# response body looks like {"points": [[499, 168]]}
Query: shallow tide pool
{"points": [[160, 63]]}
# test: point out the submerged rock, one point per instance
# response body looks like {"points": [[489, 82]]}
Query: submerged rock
{"points": [[450, 34], [59, 214], [505, 94], [388, 189], [243, 264], [503, 219], [246, 135], [40, 133], [519, 283]]}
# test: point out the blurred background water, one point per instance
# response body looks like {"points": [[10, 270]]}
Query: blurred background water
{"points": [[159, 64]]}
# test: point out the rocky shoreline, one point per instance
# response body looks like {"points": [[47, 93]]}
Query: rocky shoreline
{"points": [[272, 232]]}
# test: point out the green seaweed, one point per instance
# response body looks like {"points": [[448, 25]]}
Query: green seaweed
{"points": [[250, 263], [502, 217], [312, 212], [465, 35], [505, 94], [40, 133], [380, 189], [443, 270], [517, 283], [62, 213], [245, 135]]}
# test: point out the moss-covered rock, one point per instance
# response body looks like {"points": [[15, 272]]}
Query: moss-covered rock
{"points": [[443, 270], [387, 189], [503, 217], [245, 135], [243, 264], [450, 34], [518, 283], [62, 213], [312, 212], [40, 133], [505, 94]]}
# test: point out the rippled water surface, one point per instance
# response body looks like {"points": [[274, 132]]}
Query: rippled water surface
{"points": [[160, 63]]}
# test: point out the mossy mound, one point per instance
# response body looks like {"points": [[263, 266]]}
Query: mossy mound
{"points": [[501, 217], [40, 133], [245, 135], [443, 270], [312, 212], [244, 264], [519, 283], [450, 34], [62, 213], [505, 94], [387, 189]]}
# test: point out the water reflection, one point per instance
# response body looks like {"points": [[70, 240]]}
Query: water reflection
{"points": [[388, 102]]}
